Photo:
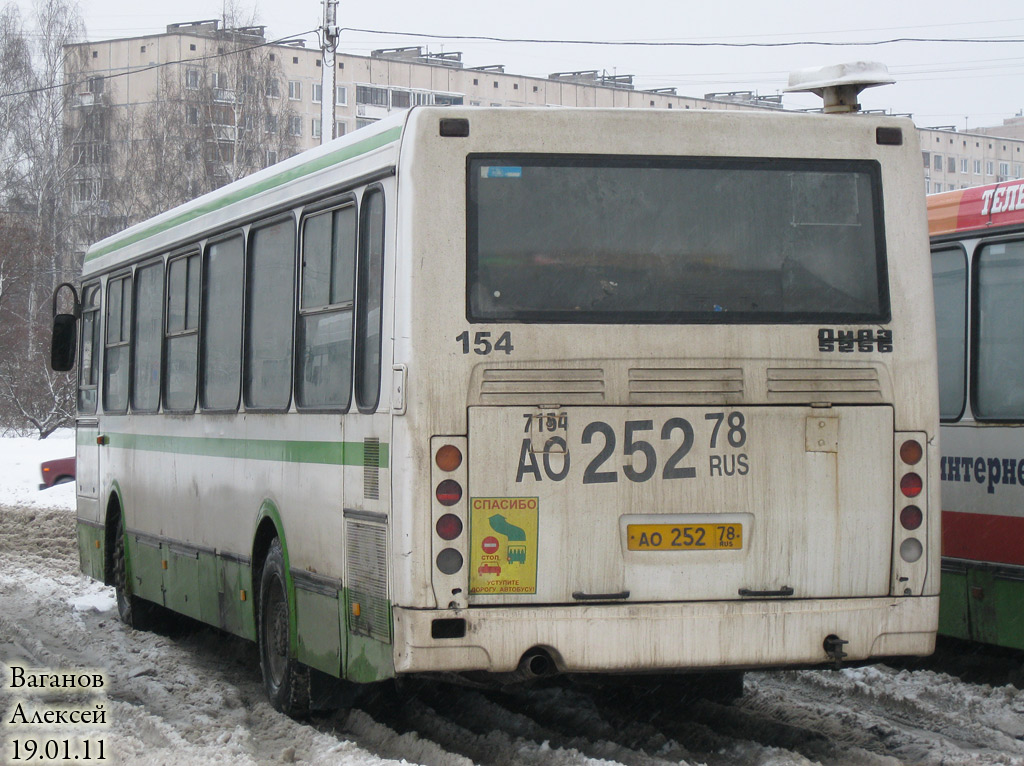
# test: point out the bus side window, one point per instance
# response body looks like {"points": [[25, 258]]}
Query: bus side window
{"points": [[269, 311], [115, 360], [221, 336], [371, 297], [147, 338], [88, 369], [949, 275], [182, 333], [999, 394], [324, 368]]}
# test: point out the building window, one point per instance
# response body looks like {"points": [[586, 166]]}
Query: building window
{"points": [[951, 165], [142, 49], [295, 59], [339, 128], [1004, 169], [318, 93], [315, 128], [442, 100], [977, 167], [273, 88], [270, 124], [421, 99], [271, 157], [965, 165], [927, 157], [295, 126], [400, 99], [192, 115], [1016, 171], [476, 81], [192, 79], [294, 90], [340, 96], [936, 158], [989, 168], [220, 80], [362, 122], [366, 94]]}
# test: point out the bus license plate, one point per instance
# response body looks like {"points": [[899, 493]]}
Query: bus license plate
{"points": [[684, 537]]}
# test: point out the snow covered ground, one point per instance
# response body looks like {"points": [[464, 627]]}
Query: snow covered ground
{"points": [[193, 695]]}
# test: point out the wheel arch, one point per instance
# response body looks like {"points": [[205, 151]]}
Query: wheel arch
{"points": [[269, 525], [114, 511]]}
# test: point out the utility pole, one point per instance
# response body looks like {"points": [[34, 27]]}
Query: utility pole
{"points": [[328, 45]]}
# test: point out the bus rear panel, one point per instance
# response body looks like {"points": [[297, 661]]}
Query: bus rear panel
{"points": [[689, 380]]}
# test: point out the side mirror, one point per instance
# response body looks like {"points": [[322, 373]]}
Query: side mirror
{"points": [[65, 331]]}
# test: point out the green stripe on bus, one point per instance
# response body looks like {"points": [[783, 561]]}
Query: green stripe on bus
{"points": [[326, 453], [332, 158]]}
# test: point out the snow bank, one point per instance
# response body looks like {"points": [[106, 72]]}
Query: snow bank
{"points": [[20, 457]]}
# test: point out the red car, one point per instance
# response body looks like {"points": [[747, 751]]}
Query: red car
{"points": [[57, 471]]}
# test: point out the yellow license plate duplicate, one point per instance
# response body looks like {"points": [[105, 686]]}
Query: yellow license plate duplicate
{"points": [[684, 537]]}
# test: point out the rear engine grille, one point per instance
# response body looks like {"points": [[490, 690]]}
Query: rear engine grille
{"points": [[831, 384], [543, 386], [684, 385]]}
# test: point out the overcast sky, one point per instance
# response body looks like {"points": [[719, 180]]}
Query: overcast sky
{"points": [[963, 84]]}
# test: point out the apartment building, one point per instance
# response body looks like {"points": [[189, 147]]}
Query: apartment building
{"points": [[242, 104], [957, 160], [132, 71]]}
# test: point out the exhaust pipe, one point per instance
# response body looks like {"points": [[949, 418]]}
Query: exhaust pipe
{"points": [[536, 663]]}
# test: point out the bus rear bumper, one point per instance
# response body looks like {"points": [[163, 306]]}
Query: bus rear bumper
{"points": [[641, 637]]}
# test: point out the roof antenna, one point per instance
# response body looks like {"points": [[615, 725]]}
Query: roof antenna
{"points": [[839, 85]]}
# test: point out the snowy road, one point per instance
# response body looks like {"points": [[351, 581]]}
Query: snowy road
{"points": [[194, 697]]}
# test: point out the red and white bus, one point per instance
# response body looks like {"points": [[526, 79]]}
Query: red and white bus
{"points": [[977, 240]]}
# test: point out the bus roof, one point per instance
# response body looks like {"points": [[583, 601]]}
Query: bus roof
{"points": [[980, 207]]}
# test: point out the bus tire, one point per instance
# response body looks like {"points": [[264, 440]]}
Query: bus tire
{"points": [[134, 611], [285, 679]]}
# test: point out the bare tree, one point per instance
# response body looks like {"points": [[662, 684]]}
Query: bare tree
{"points": [[37, 244]]}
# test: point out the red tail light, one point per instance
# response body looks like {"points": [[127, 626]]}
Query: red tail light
{"points": [[911, 517], [911, 485], [449, 526], [448, 492]]}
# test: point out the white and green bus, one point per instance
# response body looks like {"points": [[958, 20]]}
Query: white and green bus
{"points": [[515, 392]]}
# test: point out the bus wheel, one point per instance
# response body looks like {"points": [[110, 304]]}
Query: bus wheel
{"points": [[131, 609], [285, 679]]}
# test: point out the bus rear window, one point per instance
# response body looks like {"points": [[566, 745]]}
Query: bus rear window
{"points": [[674, 240]]}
